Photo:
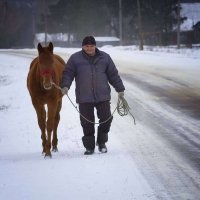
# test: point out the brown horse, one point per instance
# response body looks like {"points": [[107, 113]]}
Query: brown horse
{"points": [[45, 70]]}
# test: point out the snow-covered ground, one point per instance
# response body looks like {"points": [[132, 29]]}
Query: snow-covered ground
{"points": [[143, 162]]}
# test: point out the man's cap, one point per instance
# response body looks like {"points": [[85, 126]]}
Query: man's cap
{"points": [[89, 40]]}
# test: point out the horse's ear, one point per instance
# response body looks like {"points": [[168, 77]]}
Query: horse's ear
{"points": [[40, 48], [50, 47]]}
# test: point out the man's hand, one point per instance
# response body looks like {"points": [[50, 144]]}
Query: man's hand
{"points": [[121, 94], [64, 90]]}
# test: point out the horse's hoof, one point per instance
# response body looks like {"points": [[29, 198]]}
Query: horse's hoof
{"points": [[55, 149], [47, 155]]}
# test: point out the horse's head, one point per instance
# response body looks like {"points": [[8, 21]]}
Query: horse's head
{"points": [[46, 65]]}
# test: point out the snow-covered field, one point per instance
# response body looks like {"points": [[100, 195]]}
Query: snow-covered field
{"points": [[139, 164]]}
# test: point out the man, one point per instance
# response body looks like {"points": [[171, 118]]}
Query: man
{"points": [[93, 70]]}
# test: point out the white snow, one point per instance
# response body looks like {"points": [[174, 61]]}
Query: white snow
{"points": [[107, 39], [26, 175]]}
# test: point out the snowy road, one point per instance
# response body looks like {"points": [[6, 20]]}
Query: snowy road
{"points": [[166, 99], [159, 158], [167, 151]]}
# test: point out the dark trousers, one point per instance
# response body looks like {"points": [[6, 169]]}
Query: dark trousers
{"points": [[103, 113]]}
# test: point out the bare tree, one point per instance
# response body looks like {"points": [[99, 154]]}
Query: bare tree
{"points": [[178, 23], [120, 21], [45, 21], [44, 13], [140, 25]]}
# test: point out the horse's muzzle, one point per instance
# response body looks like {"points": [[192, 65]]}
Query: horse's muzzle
{"points": [[47, 75], [47, 85]]}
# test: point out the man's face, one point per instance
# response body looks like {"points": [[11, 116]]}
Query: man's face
{"points": [[89, 49]]}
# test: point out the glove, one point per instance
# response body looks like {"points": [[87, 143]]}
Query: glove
{"points": [[121, 94], [64, 90]]}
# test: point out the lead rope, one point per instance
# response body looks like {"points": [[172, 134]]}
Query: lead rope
{"points": [[122, 108]]}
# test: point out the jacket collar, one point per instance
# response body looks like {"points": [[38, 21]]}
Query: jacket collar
{"points": [[97, 53], [94, 58]]}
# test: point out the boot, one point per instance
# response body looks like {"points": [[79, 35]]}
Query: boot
{"points": [[89, 152], [102, 148], [89, 144]]}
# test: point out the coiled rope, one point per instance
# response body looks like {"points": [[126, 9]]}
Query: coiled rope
{"points": [[122, 108]]}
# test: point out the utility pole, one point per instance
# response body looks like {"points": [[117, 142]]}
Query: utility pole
{"points": [[33, 5], [140, 25], [178, 23], [45, 22], [120, 21]]}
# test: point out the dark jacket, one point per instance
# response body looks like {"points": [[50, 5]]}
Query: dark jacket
{"points": [[92, 76]]}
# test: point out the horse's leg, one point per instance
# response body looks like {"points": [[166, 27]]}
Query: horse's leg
{"points": [[41, 116], [57, 119], [50, 125]]}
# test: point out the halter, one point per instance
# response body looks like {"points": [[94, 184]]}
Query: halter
{"points": [[48, 72]]}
